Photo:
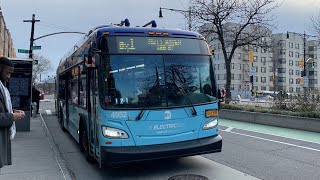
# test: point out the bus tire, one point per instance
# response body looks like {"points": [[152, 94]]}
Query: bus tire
{"points": [[84, 143], [62, 122]]}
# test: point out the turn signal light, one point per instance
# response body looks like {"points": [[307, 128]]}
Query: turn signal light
{"points": [[211, 113]]}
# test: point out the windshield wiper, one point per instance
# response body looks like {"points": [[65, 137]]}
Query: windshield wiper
{"points": [[194, 112], [157, 83]]}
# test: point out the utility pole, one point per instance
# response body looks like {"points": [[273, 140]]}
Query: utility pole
{"points": [[32, 34]]}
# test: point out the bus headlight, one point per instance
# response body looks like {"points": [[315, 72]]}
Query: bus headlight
{"points": [[114, 133], [210, 124]]}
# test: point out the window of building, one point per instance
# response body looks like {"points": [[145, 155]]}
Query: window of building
{"points": [[297, 89], [313, 81], [255, 58], [297, 72], [240, 55], [263, 59], [290, 89], [311, 48], [313, 73], [263, 79], [297, 46], [255, 78], [282, 52], [281, 79], [263, 50], [263, 88], [281, 70], [290, 45], [255, 49], [290, 54], [232, 76], [263, 69], [282, 61], [290, 71], [297, 55], [290, 80], [231, 87], [232, 65], [290, 62]]}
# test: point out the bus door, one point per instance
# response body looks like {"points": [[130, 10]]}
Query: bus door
{"points": [[93, 93]]}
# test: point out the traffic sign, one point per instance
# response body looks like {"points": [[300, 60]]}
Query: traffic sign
{"points": [[253, 71], [23, 51], [36, 47]]}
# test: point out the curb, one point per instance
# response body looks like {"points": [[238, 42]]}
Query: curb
{"points": [[67, 175]]}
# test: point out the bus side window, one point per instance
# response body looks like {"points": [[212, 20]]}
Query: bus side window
{"points": [[82, 87]]}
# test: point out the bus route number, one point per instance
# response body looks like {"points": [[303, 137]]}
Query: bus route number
{"points": [[119, 114]]}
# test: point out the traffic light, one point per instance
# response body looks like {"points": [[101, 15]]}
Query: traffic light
{"points": [[212, 53], [313, 65]]}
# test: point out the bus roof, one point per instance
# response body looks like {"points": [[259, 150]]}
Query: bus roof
{"points": [[134, 31], [144, 31]]}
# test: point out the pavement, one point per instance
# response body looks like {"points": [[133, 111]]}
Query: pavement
{"points": [[35, 156]]}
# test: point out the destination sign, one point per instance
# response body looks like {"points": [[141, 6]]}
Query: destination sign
{"points": [[155, 45]]}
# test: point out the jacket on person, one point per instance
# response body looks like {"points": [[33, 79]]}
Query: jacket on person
{"points": [[6, 120], [35, 95]]}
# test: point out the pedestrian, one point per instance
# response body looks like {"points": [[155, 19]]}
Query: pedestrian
{"points": [[36, 98], [7, 115]]}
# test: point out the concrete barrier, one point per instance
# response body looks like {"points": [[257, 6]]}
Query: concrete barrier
{"points": [[293, 122]]}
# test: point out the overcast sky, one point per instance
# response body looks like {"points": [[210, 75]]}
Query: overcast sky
{"points": [[83, 15]]}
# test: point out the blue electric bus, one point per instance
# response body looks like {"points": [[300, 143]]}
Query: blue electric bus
{"points": [[131, 94]]}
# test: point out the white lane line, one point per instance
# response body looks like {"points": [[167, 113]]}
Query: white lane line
{"points": [[289, 144], [48, 112], [228, 129]]}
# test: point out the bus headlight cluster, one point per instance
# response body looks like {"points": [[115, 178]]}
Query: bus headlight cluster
{"points": [[109, 132], [210, 124]]}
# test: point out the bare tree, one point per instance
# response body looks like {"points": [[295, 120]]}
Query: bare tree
{"points": [[315, 24], [43, 66], [235, 23]]}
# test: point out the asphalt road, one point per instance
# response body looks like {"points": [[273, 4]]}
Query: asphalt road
{"points": [[248, 151]]}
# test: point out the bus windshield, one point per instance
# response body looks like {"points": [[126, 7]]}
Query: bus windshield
{"points": [[155, 81]]}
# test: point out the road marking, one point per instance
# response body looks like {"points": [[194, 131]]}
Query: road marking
{"points": [[301, 135], [228, 129], [289, 144], [48, 112]]}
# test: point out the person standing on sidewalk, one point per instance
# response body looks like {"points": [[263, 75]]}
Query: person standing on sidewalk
{"points": [[36, 97], [7, 115]]}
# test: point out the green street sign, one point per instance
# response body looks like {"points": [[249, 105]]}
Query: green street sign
{"points": [[23, 51], [35, 47]]}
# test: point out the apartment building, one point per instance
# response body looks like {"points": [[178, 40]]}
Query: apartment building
{"points": [[262, 64], [277, 68], [290, 51], [6, 43]]}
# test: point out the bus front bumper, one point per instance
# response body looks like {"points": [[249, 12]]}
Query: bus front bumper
{"points": [[119, 155]]}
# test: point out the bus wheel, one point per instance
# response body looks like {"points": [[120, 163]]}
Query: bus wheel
{"points": [[62, 122], [84, 144]]}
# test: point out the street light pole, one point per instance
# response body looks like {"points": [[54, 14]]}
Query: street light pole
{"points": [[180, 11]]}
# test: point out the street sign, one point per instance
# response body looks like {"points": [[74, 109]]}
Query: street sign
{"points": [[23, 51], [253, 71], [36, 47]]}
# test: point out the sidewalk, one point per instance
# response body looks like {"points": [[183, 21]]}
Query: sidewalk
{"points": [[34, 156]]}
